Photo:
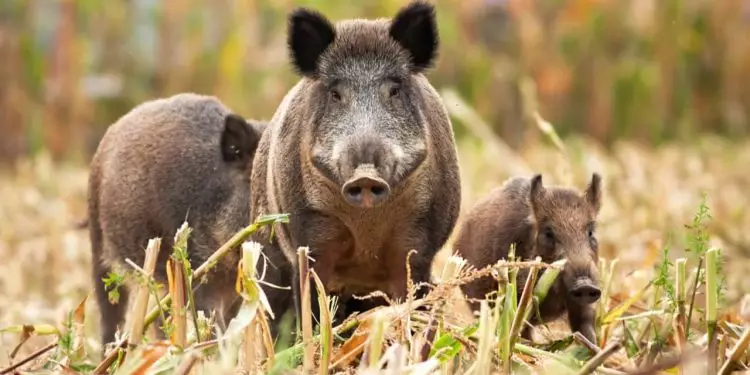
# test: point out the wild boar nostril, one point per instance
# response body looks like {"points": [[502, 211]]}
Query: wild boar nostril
{"points": [[585, 293], [354, 191], [366, 192], [595, 294]]}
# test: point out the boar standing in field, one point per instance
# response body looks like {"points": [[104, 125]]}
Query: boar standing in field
{"points": [[550, 222], [361, 154], [185, 157]]}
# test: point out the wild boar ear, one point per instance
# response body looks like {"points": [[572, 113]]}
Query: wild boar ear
{"points": [[536, 191], [415, 29], [309, 34], [593, 192], [239, 140]]}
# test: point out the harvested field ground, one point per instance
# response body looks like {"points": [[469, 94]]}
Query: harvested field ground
{"points": [[650, 196]]}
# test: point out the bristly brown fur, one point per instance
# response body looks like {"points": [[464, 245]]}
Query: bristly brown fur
{"points": [[185, 157], [365, 102], [550, 222]]}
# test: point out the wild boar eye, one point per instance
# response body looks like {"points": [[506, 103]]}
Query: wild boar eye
{"points": [[335, 95], [549, 235], [395, 90], [590, 230]]}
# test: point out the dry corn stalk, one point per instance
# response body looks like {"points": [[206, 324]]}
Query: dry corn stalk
{"points": [[255, 305], [141, 301], [175, 277], [248, 271], [304, 289]]}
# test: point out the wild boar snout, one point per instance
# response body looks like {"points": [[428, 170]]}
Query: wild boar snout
{"points": [[581, 277], [365, 189], [584, 291], [366, 166]]}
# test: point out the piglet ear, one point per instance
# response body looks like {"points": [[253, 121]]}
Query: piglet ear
{"points": [[536, 192], [309, 34], [239, 140], [593, 192], [415, 29]]}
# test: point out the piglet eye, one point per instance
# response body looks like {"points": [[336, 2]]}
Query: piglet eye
{"points": [[549, 235], [395, 90], [335, 95]]}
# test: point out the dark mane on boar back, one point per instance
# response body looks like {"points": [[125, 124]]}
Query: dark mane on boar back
{"points": [[550, 222], [361, 155]]}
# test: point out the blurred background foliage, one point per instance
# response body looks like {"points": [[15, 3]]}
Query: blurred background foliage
{"points": [[645, 70], [635, 86]]}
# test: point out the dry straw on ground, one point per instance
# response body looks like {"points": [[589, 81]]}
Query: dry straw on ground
{"points": [[650, 197]]}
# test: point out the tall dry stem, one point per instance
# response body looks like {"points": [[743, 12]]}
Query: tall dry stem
{"points": [[246, 278], [304, 290], [326, 326], [175, 279], [141, 301]]}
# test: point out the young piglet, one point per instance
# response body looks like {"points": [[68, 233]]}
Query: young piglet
{"points": [[552, 223]]}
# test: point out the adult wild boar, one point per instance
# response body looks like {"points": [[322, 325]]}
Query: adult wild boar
{"points": [[554, 223], [361, 154], [185, 157]]}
